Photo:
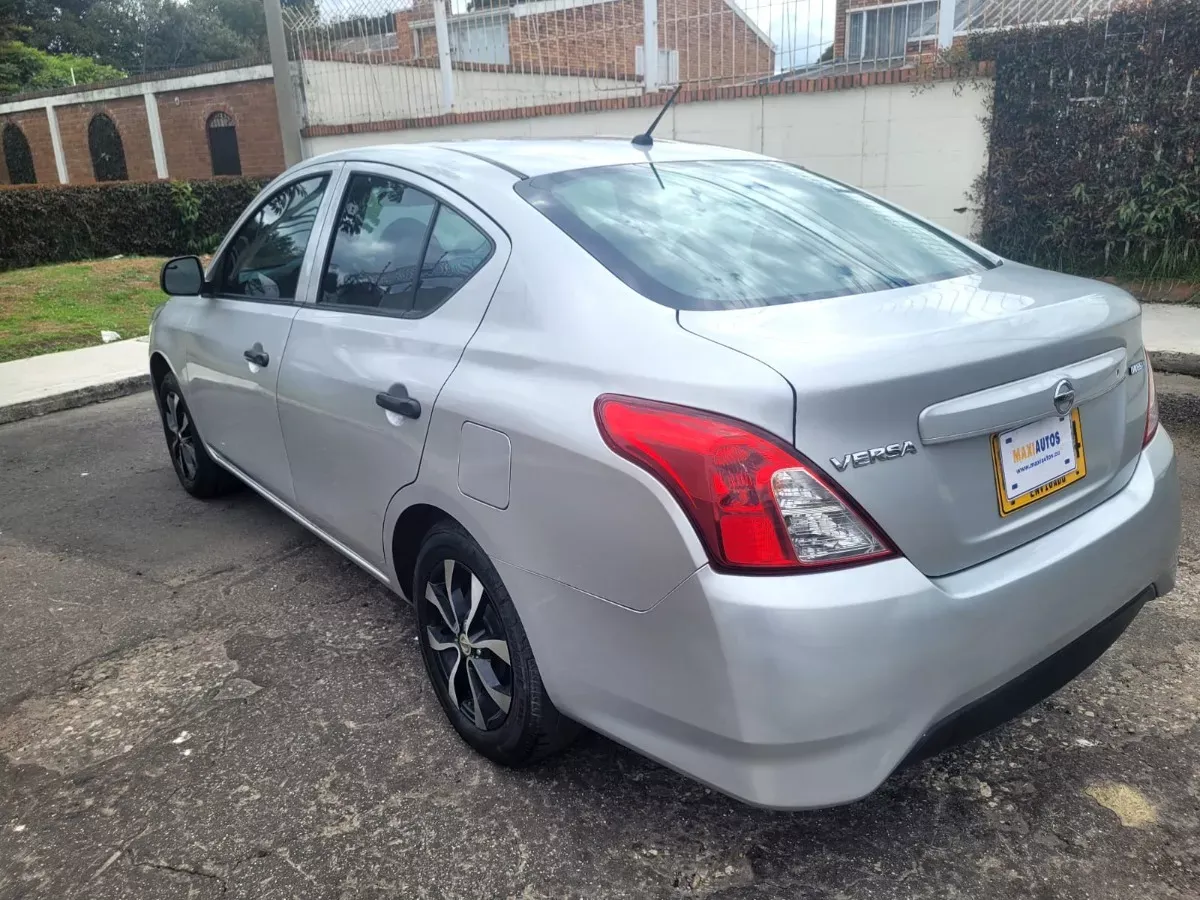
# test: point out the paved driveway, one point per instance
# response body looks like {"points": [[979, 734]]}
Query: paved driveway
{"points": [[200, 700]]}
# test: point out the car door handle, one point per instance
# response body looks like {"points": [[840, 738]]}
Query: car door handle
{"points": [[257, 355], [395, 399]]}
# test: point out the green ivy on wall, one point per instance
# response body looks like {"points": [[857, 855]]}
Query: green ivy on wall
{"points": [[1093, 141]]}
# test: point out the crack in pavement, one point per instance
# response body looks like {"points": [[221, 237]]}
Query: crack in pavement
{"points": [[185, 869]]}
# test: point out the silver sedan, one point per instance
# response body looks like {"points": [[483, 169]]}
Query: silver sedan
{"points": [[745, 468]]}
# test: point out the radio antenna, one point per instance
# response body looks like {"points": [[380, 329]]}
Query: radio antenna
{"points": [[647, 140]]}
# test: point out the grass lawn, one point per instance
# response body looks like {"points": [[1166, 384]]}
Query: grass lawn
{"points": [[67, 306]]}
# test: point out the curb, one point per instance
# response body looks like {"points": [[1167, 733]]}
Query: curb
{"points": [[96, 393], [1171, 362]]}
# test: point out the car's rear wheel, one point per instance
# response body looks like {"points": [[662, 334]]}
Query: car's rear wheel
{"points": [[478, 656], [199, 475]]}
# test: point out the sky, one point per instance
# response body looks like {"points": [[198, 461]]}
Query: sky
{"points": [[801, 29]]}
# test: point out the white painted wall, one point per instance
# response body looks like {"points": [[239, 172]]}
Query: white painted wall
{"points": [[342, 93], [920, 149]]}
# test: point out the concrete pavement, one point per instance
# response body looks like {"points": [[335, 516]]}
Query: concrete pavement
{"points": [[1172, 336], [202, 700], [57, 381]]}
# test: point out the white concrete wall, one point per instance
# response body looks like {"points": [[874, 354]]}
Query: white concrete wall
{"points": [[921, 149], [342, 93]]}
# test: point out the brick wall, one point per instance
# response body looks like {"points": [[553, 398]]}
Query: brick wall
{"points": [[715, 44], [183, 115], [129, 115], [406, 45], [599, 39], [36, 129], [184, 118]]}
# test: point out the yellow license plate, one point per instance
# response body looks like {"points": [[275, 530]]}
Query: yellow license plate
{"points": [[1036, 460]]}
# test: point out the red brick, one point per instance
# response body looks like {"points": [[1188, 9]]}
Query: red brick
{"points": [[36, 128], [184, 118], [129, 115]]}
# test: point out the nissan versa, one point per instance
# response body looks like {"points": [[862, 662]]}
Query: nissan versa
{"points": [[747, 469]]}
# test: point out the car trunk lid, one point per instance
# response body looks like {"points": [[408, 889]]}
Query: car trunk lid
{"points": [[899, 394]]}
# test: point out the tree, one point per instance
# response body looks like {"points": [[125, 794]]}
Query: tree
{"points": [[178, 34], [142, 35], [10, 26], [66, 26], [25, 68]]}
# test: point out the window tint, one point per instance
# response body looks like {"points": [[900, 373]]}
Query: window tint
{"points": [[729, 234], [263, 261], [456, 251], [397, 249]]}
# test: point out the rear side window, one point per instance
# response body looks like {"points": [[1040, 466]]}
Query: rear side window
{"points": [[734, 234], [399, 250], [456, 251]]}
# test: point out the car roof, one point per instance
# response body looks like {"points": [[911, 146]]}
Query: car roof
{"points": [[540, 156]]}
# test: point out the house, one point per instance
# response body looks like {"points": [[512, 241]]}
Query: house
{"points": [[700, 41], [875, 34]]}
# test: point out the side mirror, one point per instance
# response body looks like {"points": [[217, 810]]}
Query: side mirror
{"points": [[182, 276]]}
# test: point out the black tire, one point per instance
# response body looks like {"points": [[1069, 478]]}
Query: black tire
{"points": [[531, 728], [199, 475]]}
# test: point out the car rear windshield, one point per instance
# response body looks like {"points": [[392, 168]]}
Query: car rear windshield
{"points": [[735, 234]]}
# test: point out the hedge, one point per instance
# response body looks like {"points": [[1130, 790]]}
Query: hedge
{"points": [[49, 224], [1094, 143]]}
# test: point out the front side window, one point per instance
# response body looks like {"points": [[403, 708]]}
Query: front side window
{"points": [[397, 249], [733, 234], [263, 260]]}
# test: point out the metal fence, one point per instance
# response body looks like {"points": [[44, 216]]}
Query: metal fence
{"points": [[370, 61]]}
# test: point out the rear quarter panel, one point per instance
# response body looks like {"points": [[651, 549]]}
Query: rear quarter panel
{"points": [[561, 331]]}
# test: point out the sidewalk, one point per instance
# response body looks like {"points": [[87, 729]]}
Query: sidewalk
{"points": [[54, 381], [44, 384], [1171, 333]]}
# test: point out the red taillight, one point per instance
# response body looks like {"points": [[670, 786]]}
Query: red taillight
{"points": [[755, 503], [1151, 407]]}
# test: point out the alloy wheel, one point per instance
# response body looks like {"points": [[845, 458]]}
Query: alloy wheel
{"points": [[181, 436], [470, 646]]}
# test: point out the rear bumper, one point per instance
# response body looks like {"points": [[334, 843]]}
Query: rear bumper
{"points": [[1030, 687], [807, 691]]}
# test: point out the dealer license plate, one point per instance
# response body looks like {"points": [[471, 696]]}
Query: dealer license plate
{"points": [[1036, 460]]}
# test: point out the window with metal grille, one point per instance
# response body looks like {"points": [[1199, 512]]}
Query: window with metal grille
{"points": [[223, 145], [108, 153], [883, 33], [17, 158]]}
